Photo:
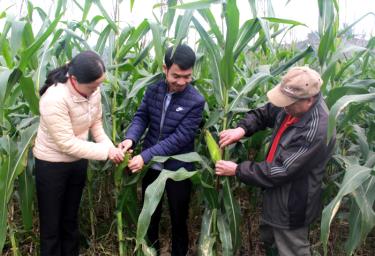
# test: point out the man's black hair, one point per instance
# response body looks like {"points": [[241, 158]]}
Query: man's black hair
{"points": [[183, 56]]}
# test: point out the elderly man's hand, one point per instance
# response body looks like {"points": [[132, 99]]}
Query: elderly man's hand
{"points": [[230, 136], [136, 163], [225, 168]]}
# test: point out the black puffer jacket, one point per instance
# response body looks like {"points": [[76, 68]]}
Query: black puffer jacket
{"points": [[292, 182]]}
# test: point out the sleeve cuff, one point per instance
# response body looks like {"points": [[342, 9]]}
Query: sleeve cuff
{"points": [[147, 156], [132, 139], [244, 128], [237, 172]]}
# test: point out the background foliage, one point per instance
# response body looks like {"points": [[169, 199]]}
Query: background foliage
{"points": [[236, 65]]}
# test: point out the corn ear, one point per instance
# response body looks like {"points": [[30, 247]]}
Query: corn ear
{"points": [[119, 172], [213, 148]]}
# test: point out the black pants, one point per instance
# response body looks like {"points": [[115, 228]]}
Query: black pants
{"points": [[178, 193], [59, 189]]}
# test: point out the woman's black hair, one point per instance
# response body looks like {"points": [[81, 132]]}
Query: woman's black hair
{"points": [[86, 66]]}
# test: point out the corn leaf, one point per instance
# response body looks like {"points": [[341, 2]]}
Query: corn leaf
{"points": [[355, 175], [206, 237], [26, 192], [152, 198], [338, 107], [232, 212], [13, 162], [225, 235]]}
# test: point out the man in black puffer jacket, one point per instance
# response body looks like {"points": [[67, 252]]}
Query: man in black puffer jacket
{"points": [[171, 110], [293, 171]]}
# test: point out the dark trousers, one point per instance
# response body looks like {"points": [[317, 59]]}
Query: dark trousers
{"points": [[59, 189], [178, 193], [285, 242]]}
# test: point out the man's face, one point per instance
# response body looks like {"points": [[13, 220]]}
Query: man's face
{"points": [[177, 78], [298, 108]]}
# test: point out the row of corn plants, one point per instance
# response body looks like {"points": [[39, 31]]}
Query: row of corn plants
{"points": [[236, 65]]}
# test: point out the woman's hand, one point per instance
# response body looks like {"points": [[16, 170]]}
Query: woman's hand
{"points": [[116, 155]]}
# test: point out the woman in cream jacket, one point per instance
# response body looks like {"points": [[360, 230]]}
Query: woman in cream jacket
{"points": [[70, 108]]}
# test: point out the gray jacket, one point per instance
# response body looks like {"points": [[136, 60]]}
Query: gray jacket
{"points": [[292, 182]]}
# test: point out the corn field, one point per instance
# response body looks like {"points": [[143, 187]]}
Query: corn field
{"points": [[237, 63]]}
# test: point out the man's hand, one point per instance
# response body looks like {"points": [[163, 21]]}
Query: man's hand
{"points": [[225, 168], [116, 155], [230, 136], [125, 145], [136, 163]]}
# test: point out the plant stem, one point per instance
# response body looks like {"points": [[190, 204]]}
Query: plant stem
{"points": [[120, 234], [91, 204], [12, 236]]}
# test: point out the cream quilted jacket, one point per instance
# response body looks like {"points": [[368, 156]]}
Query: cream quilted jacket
{"points": [[66, 118]]}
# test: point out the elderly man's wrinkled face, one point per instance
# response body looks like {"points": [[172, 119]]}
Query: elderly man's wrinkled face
{"points": [[298, 108]]}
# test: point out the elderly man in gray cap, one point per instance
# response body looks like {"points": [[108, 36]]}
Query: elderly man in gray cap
{"points": [[292, 173]]}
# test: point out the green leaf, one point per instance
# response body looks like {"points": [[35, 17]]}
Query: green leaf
{"points": [[26, 190], [79, 38], [362, 215], [169, 16], [362, 140], [60, 7], [213, 118], [355, 175], [106, 16], [232, 18], [187, 158], [210, 19], [86, 9], [28, 90], [28, 53], [251, 84], [284, 21], [202, 4], [349, 27], [183, 28], [232, 212], [143, 82], [158, 44], [102, 40], [338, 92], [214, 59], [340, 105], [247, 32], [16, 36], [225, 235], [12, 164], [135, 37], [153, 195], [281, 68], [206, 237], [4, 77]]}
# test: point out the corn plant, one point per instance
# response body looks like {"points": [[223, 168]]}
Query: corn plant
{"points": [[236, 65]]}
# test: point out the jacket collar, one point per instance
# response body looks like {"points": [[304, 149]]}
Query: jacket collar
{"points": [[76, 96], [307, 116], [165, 89]]}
